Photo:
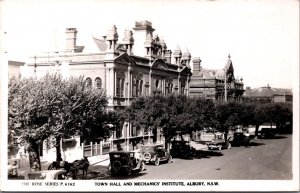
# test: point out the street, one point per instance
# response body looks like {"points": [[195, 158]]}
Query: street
{"points": [[265, 159]]}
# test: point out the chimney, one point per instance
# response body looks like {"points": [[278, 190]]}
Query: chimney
{"points": [[196, 65], [71, 34], [168, 56], [248, 91], [142, 30]]}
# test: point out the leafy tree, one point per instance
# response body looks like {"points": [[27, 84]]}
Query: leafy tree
{"points": [[53, 107], [228, 115]]}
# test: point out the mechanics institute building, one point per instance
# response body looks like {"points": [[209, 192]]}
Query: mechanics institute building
{"points": [[210, 83]]}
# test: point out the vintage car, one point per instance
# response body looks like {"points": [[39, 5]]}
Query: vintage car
{"points": [[155, 154], [182, 149], [124, 162], [219, 142], [238, 139], [267, 132]]}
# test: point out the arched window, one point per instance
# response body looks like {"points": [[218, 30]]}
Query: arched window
{"points": [[98, 82], [122, 82], [118, 87], [182, 87], [88, 82], [140, 88]]}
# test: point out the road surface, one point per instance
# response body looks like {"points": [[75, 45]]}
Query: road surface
{"points": [[265, 159]]}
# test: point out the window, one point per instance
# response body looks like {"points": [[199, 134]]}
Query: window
{"points": [[182, 87], [98, 82], [118, 87], [140, 88], [122, 82], [88, 82], [119, 131]]}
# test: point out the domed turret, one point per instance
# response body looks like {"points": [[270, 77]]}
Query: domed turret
{"points": [[112, 37], [177, 55], [186, 55], [177, 52], [112, 33], [186, 58], [128, 37], [128, 41], [149, 41]]}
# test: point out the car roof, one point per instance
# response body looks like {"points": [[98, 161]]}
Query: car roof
{"points": [[154, 145]]}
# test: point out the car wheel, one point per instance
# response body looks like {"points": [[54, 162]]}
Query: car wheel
{"points": [[142, 167], [220, 147], [157, 160], [116, 165], [229, 146], [129, 170], [170, 159]]}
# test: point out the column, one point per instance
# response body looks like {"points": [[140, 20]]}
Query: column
{"points": [[150, 82], [115, 82]]}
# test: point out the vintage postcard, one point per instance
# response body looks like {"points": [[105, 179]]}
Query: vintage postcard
{"points": [[195, 95]]}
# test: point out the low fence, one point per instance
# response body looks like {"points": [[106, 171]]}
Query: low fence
{"points": [[96, 149]]}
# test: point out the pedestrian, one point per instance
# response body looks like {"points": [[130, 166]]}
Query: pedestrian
{"points": [[13, 170], [247, 139]]}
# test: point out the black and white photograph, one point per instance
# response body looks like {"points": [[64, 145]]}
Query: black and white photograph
{"points": [[128, 95]]}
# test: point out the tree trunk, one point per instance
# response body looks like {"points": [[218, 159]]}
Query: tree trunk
{"points": [[167, 143], [34, 157], [154, 135], [58, 148], [226, 134], [256, 130]]}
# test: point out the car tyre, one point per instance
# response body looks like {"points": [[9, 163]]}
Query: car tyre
{"points": [[142, 167], [157, 160], [229, 146], [220, 147], [170, 159], [129, 170]]}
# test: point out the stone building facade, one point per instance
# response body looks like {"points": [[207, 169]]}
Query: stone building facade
{"points": [[210, 83], [137, 65]]}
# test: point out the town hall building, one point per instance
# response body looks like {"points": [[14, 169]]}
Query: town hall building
{"points": [[138, 64]]}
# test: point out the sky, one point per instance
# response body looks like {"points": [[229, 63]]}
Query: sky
{"points": [[262, 36]]}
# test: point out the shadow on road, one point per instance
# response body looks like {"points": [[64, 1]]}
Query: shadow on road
{"points": [[252, 143], [275, 137], [207, 154]]}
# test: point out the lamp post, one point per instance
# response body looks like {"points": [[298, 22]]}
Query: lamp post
{"points": [[225, 86]]}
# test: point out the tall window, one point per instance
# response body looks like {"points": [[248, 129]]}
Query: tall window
{"points": [[98, 82], [88, 82], [118, 87], [122, 82], [182, 87], [169, 87], [140, 92]]}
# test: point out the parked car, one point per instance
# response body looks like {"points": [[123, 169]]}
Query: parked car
{"points": [[155, 154], [267, 132], [182, 149], [125, 162], [238, 139], [219, 142]]}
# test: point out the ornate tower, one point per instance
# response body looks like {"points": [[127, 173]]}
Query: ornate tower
{"points": [[186, 58], [128, 41], [112, 38], [177, 56]]}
